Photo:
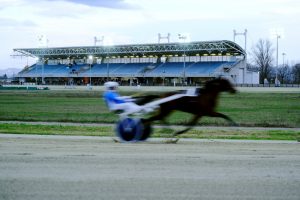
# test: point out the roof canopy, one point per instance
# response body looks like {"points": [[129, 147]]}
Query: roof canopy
{"points": [[223, 47]]}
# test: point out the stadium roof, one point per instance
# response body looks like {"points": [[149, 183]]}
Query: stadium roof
{"points": [[223, 47]]}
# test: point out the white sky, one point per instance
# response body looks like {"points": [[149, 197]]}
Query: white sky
{"points": [[76, 22]]}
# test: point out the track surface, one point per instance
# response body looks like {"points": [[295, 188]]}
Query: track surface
{"points": [[62, 167]]}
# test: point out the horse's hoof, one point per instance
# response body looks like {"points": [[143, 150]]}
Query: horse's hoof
{"points": [[116, 140]]}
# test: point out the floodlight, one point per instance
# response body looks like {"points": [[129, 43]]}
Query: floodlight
{"points": [[184, 37], [276, 32], [43, 41]]}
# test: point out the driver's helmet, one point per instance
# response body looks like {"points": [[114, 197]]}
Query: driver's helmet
{"points": [[111, 85]]}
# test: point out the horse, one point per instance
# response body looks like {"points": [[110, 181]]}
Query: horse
{"points": [[202, 104]]}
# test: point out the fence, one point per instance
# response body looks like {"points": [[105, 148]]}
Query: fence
{"points": [[267, 85]]}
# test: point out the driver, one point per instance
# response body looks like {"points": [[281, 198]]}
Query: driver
{"points": [[116, 102]]}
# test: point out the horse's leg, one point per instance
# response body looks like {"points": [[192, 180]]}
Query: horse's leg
{"points": [[190, 124], [216, 114]]}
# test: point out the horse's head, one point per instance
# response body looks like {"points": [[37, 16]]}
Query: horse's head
{"points": [[220, 84]]}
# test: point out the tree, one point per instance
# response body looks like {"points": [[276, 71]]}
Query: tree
{"points": [[284, 74], [296, 73], [263, 58]]}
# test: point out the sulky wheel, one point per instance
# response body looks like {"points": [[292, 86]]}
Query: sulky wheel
{"points": [[147, 130], [129, 130]]}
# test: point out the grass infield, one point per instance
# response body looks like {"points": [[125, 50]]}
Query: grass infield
{"points": [[245, 134]]}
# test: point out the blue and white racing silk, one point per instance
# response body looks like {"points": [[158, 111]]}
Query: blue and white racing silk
{"points": [[116, 102], [112, 97]]}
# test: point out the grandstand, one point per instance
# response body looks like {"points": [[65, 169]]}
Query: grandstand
{"points": [[145, 64]]}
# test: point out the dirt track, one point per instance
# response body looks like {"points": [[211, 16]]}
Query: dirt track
{"points": [[67, 167]]}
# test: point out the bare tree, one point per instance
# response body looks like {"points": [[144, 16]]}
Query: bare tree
{"points": [[263, 58], [284, 74], [296, 73]]}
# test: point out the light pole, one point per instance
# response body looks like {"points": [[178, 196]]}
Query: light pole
{"points": [[43, 62], [245, 56], [90, 62], [184, 65], [244, 34], [107, 67], [36, 78], [283, 54], [276, 78], [90, 74], [183, 37], [43, 43]]}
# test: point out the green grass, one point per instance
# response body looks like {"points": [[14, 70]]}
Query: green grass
{"points": [[56, 130], [247, 109], [157, 132]]}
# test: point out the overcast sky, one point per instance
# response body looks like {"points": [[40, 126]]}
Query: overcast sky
{"points": [[77, 22]]}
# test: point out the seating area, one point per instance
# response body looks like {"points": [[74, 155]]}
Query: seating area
{"points": [[129, 69], [204, 68], [100, 70], [168, 69], [45, 70]]}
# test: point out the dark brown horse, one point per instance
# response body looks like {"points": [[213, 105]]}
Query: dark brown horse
{"points": [[203, 104]]}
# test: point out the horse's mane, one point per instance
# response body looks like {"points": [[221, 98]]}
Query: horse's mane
{"points": [[212, 84], [206, 87]]}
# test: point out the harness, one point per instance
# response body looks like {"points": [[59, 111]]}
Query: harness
{"points": [[112, 99]]}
